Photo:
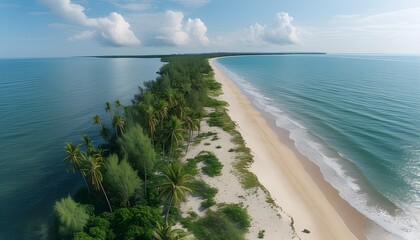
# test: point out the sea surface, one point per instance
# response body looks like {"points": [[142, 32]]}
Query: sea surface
{"points": [[357, 117], [43, 104]]}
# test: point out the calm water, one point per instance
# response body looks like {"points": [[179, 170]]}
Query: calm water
{"points": [[43, 104], [357, 117]]}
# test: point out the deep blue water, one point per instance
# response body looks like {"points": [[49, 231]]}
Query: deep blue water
{"points": [[43, 104], [357, 117]]}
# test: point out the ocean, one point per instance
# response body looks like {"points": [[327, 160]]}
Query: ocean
{"points": [[355, 116], [43, 104]]}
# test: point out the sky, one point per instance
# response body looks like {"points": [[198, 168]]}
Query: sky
{"points": [[56, 28]]}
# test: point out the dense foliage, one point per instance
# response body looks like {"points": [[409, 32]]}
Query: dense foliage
{"points": [[135, 179], [229, 222]]}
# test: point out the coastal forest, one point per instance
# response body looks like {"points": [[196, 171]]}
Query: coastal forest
{"points": [[136, 179]]}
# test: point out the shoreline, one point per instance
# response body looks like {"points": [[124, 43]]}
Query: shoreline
{"points": [[295, 183]]}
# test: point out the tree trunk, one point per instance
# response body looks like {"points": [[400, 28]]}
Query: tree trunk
{"points": [[188, 141], [145, 180], [169, 207], [106, 197], [84, 179]]}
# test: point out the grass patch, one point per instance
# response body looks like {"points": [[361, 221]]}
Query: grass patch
{"points": [[214, 88], [202, 136], [203, 190], [220, 118], [238, 215], [211, 102], [243, 162], [215, 137], [213, 165], [191, 167], [221, 224]]}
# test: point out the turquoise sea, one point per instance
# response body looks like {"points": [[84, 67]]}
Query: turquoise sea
{"points": [[43, 104], [356, 117]]}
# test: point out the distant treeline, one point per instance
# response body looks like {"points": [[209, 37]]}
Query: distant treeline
{"points": [[165, 57]]}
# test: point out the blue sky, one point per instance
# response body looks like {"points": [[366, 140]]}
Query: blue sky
{"points": [[49, 28]]}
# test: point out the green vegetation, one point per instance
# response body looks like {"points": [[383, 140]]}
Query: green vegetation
{"points": [[213, 167], [122, 180], [71, 217], [229, 222], [261, 234], [135, 179], [201, 189], [173, 185]]}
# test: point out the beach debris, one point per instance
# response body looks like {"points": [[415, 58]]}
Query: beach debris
{"points": [[306, 231], [240, 196]]}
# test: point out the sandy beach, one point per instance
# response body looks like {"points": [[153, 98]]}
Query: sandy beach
{"points": [[294, 182]]}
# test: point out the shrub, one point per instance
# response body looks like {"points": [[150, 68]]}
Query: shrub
{"points": [[71, 216], [201, 189], [213, 165], [261, 234], [238, 215], [215, 226]]}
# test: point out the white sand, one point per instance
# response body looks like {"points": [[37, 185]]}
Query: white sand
{"points": [[314, 205]]}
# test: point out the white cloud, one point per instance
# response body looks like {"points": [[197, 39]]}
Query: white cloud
{"points": [[133, 5], [192, 3], [282, 33], [170, 29], [82, 36], [111, 30]]}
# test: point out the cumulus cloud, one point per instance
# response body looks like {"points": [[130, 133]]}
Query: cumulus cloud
{"points": [[111, 30], [283, 32], [170, 29]]}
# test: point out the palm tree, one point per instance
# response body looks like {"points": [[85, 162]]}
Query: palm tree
{"points": [[76, 158], [173, 185], [97, 120], [162, 111], [92, 170], [191, 125], [197, 120], [170, 97], [108, 109], [175, 132], [181, 108], [118, 123], [104, 132], [149, 117], [118, 105], [88, 144], [165, 232]]}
